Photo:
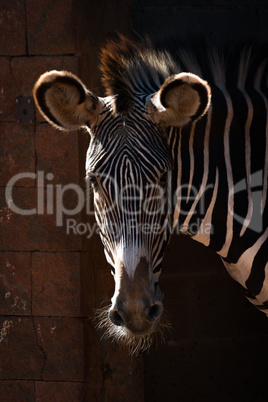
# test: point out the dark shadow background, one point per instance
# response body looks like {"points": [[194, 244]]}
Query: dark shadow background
{"points": [[218, 348]]}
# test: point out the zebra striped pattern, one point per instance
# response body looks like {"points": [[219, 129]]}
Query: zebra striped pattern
{"points": [[220, 163], [130, 200]]}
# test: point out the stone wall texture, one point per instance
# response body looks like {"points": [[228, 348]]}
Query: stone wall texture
{"points": [[51, 281]]}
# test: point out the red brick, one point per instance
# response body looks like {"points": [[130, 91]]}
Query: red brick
{"points": [[57, 153], [17, 153], [36, 232], [12, 28], [15, 283], [88, 270], [8, 91], [65, 392], [71, 348], [20, 355], [56, 281], [21, 66], [18, 76], [51, 27], [103, 280], [12, 391]]}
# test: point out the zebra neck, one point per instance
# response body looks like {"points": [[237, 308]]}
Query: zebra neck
{"points": [[193, 185], [217, 164]]}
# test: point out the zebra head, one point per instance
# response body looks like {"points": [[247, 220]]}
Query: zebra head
{"points": [[128, 161]]}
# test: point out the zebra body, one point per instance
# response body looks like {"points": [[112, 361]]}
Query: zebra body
{"points": [[224, 158], [163, 154]]}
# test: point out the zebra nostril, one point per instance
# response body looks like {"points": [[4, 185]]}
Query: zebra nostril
{"points": [[155, 312], [116, 318]]}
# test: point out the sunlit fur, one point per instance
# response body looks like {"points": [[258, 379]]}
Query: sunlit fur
{"points": [[122, 336]]}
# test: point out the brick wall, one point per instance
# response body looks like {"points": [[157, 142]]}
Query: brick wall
{"points": [[217, 350], [51, 281]]}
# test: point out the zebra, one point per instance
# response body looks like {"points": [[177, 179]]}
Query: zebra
{"points": [[180, 140]]}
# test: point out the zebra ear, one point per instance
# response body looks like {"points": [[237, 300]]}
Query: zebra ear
{"points": [[183, 98], [64, 101]]}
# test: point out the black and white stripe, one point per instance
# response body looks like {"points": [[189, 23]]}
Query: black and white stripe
{"points": [[219, 163], [229, 147], [128, 171]]}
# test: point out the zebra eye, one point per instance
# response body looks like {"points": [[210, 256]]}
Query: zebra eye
{"points": [[157, 269], [163, 180], [93, 181]]}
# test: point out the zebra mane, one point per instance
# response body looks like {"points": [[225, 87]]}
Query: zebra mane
{"points": [[132, 70]]}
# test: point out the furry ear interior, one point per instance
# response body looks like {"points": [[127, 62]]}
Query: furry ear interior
{"points": [[183, 98], [64, 101]]}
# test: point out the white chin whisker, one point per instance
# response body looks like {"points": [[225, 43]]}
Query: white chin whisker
{"points": [[121, 335]]}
